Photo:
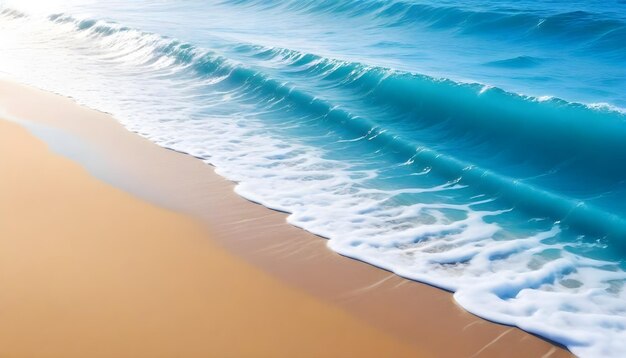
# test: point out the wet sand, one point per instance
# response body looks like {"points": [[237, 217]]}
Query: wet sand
{"points": [[414, 318]]}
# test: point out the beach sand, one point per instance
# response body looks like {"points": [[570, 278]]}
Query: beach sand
{"points": [[87, 270], [149, 253]]}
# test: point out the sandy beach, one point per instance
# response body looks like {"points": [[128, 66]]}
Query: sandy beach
{"points": [[115, 247]]}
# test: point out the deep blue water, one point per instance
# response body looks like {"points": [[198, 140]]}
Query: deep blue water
{"points": [[477, 146]]}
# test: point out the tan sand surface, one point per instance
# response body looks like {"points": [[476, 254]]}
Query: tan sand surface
{"points": [[87, 270]]}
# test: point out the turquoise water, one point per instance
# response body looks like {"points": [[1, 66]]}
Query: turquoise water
{"points": [[479, 147]]}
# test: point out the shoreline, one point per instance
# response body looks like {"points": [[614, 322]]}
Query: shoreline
{"points": [[419, 315]]}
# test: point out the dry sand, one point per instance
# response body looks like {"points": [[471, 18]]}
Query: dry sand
{"points": [[421, 317]]}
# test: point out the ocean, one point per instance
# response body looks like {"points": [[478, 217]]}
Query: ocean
{"points": [[477, 146]]}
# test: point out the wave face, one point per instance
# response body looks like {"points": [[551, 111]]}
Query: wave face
{"points": [[357, 118]]}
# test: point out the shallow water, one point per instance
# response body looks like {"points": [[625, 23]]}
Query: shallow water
{"points": [[476, 147]]}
